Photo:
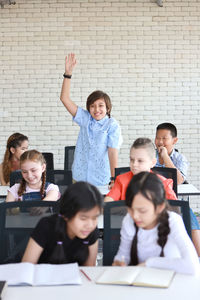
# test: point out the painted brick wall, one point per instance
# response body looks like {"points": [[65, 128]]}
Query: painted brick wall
{"points": [[147, 58]]}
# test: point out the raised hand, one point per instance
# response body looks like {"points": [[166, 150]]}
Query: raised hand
{"points": [[162, 151], [70, 62]]}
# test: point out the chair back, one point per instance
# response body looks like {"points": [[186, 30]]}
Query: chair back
{"points": [[167, 173], [17, 220], [15, 177], [114, 213], [184, 210], [63, 178], [69, 157], [49, 160], [121, 170]]}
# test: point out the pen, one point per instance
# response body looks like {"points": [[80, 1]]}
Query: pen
{"points": [[83, 272]]}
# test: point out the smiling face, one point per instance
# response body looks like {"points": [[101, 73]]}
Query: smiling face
{"points": [[164, 139], [32, 173], [83, 223], [143, 212], [98, 109], [19, 150], [141, 160]]}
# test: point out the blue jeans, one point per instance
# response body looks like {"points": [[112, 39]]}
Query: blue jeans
{"points": [[194, 221]]}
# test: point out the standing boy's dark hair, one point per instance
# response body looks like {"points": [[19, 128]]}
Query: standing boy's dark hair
{"points": [[80, 196], [168, 126], [96, 95], [151, 187]]}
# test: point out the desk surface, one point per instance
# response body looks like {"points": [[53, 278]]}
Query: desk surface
{"points": [[183, 287], [187, 190], [3, 190]]}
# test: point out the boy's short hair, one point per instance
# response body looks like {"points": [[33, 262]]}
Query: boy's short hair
{"points": [[145, 143], [168, 126], [96, 95]]}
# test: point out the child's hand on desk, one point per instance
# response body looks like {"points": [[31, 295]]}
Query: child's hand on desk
{"points": [[119, 263]]}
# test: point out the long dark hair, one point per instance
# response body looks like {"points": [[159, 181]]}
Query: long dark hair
{"points": [[14, 141], [80, 196], [151, 187]]}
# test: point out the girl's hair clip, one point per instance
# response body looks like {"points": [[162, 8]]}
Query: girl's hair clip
{"points": [[59, 215], [59, 242]]}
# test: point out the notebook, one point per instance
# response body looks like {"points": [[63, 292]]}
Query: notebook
{"points": [[138, 276], [41, 274]]}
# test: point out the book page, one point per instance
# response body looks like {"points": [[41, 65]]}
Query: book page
{"points": [[47, 274], [154, 277], [119, 275], [17, 274]]}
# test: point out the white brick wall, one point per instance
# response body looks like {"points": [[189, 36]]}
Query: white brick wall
{"points": [[147, 58]]}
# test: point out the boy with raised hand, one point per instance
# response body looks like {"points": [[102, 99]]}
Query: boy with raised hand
{"points": [[142, 158], [168, 156]]}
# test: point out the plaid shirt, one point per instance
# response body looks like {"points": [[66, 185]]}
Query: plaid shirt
{"points": [[178, 160]]}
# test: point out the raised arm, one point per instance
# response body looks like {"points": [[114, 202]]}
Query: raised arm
{"points": [[70, 62]]}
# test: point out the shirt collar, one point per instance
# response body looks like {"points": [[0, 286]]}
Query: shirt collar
{"points": [[100, 122]]}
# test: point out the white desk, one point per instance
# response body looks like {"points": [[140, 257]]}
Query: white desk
{"points": [[183, 190], [103, 189], [187, 190], [3, 190], [183, 287]]}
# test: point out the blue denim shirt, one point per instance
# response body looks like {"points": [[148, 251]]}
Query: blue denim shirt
{"points": [[178, 160], [91, 162]]}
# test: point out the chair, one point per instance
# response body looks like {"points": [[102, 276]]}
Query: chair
{"points": [[63, 178], [17, 220], [49, 160], [167, 173], [121, 170], [69, 157], [185, 212], [114, 213], [15, 177]]}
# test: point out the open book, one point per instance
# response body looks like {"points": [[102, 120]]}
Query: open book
{"points": [[139, 276], [41, 274]]}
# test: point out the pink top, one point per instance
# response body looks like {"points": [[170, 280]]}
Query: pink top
{"points": [[14, 190]]}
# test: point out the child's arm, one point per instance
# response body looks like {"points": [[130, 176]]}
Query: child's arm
{"points": [[52, 195], [93, 249], [10, 197], [108, 199], [169, 164], [32, 252], [113, 159], [70, 63]]}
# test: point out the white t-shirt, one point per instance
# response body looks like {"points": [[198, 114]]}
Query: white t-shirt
{"points": [[14, 190], [179, 252]]}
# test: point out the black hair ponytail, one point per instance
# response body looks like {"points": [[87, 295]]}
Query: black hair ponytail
{"points": [[58, 255], [134, 255], [163, 230]]}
